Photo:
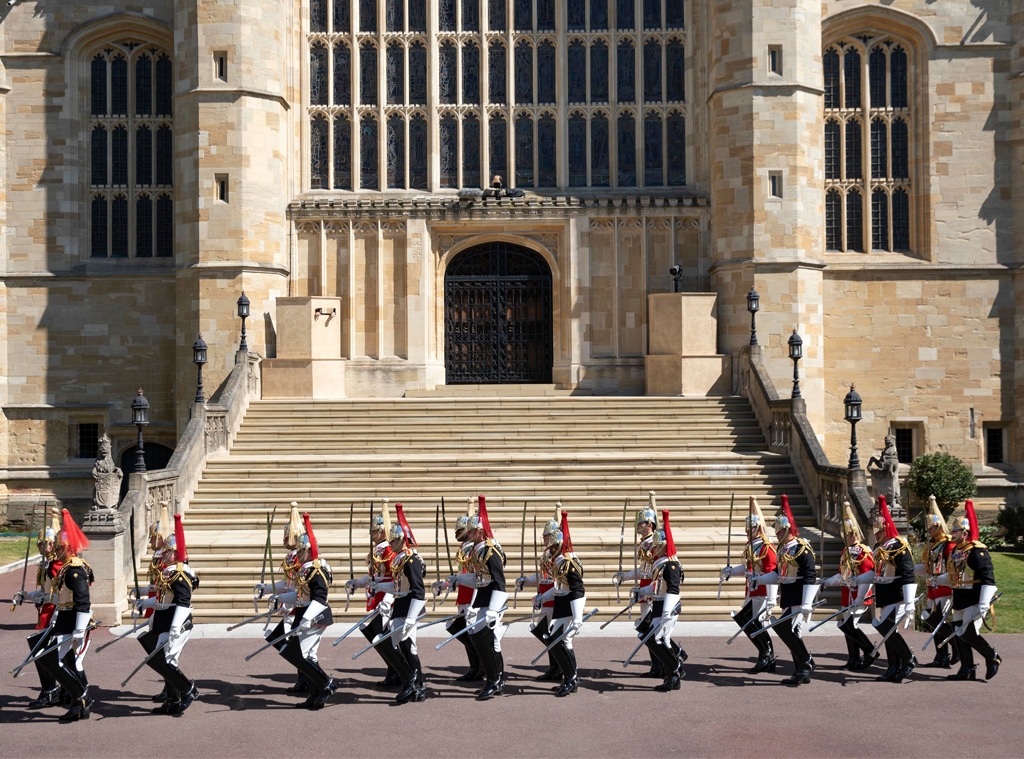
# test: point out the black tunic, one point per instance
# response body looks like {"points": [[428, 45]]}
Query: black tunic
{"points": [[495, 568], [902, 559], [672, 575], [792, 593], [75, 578], [980, 562], [574, 582], [414, 571]]}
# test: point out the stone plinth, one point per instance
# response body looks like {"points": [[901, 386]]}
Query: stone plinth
{"points": [[682, 338], [309, 362], [106, 529]]}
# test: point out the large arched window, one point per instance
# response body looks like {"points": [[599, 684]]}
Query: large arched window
{"points": [[131, 169], [867, 151]]}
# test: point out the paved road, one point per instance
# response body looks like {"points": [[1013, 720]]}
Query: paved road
{"points": [[720, 711]]}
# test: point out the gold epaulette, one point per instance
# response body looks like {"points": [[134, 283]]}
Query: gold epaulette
{"points": [[560, 570], [889, 554], [399, 561]]}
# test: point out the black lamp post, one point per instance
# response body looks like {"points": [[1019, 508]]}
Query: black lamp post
{"points": [[852, 404], [753, 305], [199, 358], [796, 352], [243, 311], [140, 418]]}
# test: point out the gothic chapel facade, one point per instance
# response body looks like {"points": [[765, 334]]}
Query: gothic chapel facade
{"points": [[858, 163]]}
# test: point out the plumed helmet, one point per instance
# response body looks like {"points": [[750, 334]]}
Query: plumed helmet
{"points": [[755, 520], [162, 528], [402, 529], [648, 513], [968, 523], [933, 517], [563, 534], [49, 535], [552, 526], [310, 538], [72, 539], [883, 521], [293, 530], [663, 537], [850, 525], [180, 552], [483, 522], [463, 527], [784, 518]]}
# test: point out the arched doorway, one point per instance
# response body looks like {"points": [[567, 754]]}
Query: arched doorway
{"points": [[497, 316]]}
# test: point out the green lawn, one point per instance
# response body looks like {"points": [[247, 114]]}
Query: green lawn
{"points": [[12, 549], [1009, 610]]}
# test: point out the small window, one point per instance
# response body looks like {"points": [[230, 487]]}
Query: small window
{"points": [[220, 65], [221, 182], [905, 444], [88, 441], [775, 59], [775, 184], [995, 437]]}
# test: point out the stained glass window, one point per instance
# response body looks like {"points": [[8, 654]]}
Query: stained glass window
{"points": [[446, 15], [449, 136], [418, 152], [164, 156], [143, 85], [143, 155], [496, 15], [598, 15], [144, 226], [877, 77], [546, 74], [652, 14], [833, 148], [524, 73], [577, 72], [417, 15], [898, 83], [627, 150], [674, 14], [318, 75], [879, 220], [524, 150], [368, 74], [577, 15], [164, 226], [599, 72], [318, 155], [342, 74], [98, 86], [496, 72], [900, 150], [368, 16], [417, 73], [577, 147], [652, 150], [470, 74], [523, 15], [471, 151], [879, 149], [396, 151], [119, 156], [342, 153], [545, 15], [626, 80], [547, 138], [675, 66], [652, 71], [676, 139], [394, 11], [855, 221], [498, 146], [100, 175], [396, 74], [851, 66], [447, 74], [470, 15], [900, 220], [119, 86], [624, 15], [833, 220], [318, 15], [369, 179], [830, 64], [119, 226], [342, 17], [600, 175]]}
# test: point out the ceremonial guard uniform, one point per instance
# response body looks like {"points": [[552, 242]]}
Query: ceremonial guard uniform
{"points": [[70, 631], [759, 559], [172, 621], [641, 574], [159, 532], [895, 588], [667, 578], [798, 586], [569, 597], [464, 592], [489, 603], [939, 596], [540, 627], [312, 616], [855, 577], [407, 587], [378, 575], [973, 580], [284, 591]]}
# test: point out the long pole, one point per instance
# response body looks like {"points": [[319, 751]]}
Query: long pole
{"points": [[28, 550]]}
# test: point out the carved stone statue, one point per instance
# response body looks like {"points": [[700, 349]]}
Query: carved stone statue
{"points": [[107, 477], [885, 472]]}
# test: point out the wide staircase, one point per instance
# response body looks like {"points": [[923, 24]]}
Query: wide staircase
{"points": [[599, 456]]}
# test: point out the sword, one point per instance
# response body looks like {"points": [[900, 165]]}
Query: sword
{"points": [[28, 550], [291, 633], [522, 556], [356, 626], [894, 628], [728, 547], [630, 606], [439, 621], [561, 636], [377, 640], [263, 570], [780, 620], [32, 657], [446, 641], [831, 616], [261, 615], [447, 547], [945, 615], [351, 565], [32, 653], [646, 638], [124, 635], [963, 624], [135, 563], [743, 629], [145, 661]]}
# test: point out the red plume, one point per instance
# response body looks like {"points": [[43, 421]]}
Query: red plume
{"points": [[794, 531], [410, 538], [566, 540], [72, 535], [972, 519], [890, 526], [670, 543], [180, 554], [485, 523], [314, 549]]}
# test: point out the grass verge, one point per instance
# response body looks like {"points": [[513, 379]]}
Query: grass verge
{"points": [[1009, 610]]}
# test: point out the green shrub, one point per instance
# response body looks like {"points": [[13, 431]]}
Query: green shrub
{"points": [[944, 476], [1011, 522]]}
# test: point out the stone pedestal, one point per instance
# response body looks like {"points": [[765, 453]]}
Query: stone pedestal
{"points": [[682, 343], [107, 533], [309, 362]]}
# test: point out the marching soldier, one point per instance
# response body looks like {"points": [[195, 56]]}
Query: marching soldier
{"points": [[172, 621], [973, 580], [542, 579], [895, 587], [939, 596], [488, 603], [569, 598], [667, 578], [797, 578], [646, 524], [282, 591], [312, 616], [70, 632], [759, 559], [378, 573], [407, 587], [464, 592], [855, 576]]}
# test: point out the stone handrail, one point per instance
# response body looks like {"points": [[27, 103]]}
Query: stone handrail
{"points": [[784, 424], [208, 433]]}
